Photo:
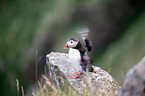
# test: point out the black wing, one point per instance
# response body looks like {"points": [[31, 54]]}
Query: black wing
{"points": [[84, 34], [88, 44]]}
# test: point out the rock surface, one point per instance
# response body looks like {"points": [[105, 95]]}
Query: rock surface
{"points": [[99, 82], [134, 83]]}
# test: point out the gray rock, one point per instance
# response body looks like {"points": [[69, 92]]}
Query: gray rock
{"points": [[134, 83], [98, 82]]}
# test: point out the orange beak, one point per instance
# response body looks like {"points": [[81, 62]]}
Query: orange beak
{"points": [[65, 46]]}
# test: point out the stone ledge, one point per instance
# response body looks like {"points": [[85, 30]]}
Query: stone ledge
{"points": [[100, 82]]}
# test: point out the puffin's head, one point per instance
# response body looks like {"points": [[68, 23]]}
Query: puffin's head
{"points": [[71, 43]]}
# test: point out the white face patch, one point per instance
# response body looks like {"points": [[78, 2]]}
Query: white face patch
{"points": [[72, 43]]}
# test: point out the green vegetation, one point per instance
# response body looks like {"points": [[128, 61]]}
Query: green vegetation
{"points": [[49, 89]]}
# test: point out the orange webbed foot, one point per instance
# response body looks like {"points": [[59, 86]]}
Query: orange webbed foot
{"points": [[76, 76]]}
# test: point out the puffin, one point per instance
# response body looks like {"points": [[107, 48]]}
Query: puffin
{"points": [[80, 54]]}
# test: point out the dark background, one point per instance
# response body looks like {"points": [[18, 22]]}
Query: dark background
{"points": [[30, 29]]}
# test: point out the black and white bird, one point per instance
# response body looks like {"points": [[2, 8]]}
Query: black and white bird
{"points": [[80, 54]]}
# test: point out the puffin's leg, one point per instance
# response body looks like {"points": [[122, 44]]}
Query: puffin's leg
{"points": [[76, 76]]}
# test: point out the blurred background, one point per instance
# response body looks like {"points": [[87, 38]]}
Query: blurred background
{"points": [[30, 29]]}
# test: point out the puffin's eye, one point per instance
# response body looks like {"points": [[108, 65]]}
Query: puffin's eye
{"points": [[71, 42]]}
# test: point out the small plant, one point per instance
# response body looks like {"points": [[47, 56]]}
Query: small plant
{"points": [[17, 83], [47, 87]]}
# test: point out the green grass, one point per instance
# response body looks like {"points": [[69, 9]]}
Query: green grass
{"points": [[47, 87]]}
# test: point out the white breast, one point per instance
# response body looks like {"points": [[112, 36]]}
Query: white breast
{"points": [[75, 58]]}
